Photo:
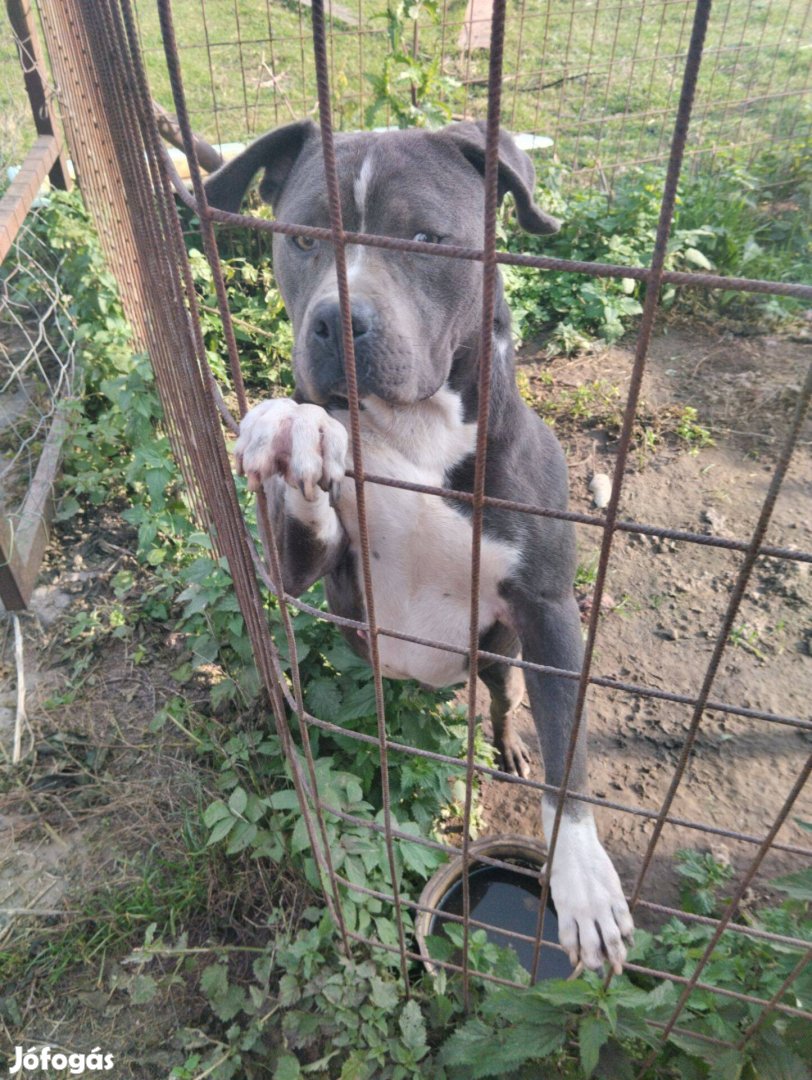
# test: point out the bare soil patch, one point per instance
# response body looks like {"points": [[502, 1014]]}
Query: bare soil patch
{"points": [[669, 598]]}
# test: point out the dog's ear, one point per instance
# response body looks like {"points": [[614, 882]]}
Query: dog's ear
{"points": [[516, 172], [275, 152]]}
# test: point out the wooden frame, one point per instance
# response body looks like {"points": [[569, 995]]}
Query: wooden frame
{"points": [[23, 537]]}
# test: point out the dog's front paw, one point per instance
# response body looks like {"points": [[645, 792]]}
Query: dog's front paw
{"points": [[301, 443], [593, 916]]}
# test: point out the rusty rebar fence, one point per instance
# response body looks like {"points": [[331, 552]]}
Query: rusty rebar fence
{"points": [[131, 186]]}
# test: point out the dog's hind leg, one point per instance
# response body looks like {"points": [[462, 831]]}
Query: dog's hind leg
{"points": [[506, 687]]}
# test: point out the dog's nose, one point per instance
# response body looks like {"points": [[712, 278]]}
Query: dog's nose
{"points": [[327, 321], [326, 343]]}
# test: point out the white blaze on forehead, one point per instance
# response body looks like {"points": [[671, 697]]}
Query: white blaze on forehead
{"points": [[360, 188]]}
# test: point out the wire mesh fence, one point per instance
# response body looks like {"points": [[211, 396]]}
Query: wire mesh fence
{"points": [[132, 188], [38, 376], [600, 79]]}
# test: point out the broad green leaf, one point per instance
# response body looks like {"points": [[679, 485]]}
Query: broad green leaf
{"points": [[284, 800], [727, 1065], [593, 1031], [413, 1028], [780, 1062], [797, 885], [222, 828], [238, 801], [215, 812], [142, 989], [287, 1068]]}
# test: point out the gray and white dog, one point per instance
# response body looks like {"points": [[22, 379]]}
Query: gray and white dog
{"points": [[416, 325]]}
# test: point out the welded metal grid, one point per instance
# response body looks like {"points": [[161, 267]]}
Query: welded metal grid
{"points": [[141, 186], [583, 73]]}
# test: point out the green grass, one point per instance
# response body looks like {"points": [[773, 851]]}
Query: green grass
{"points": [[602, 79]]}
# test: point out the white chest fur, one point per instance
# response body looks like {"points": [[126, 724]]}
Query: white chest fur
{"points": [[420, 545]]}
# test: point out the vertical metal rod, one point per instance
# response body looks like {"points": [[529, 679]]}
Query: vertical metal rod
{"points": [[339, 251], [489, 281], [692, 63], [24, 28], [322, 853]]}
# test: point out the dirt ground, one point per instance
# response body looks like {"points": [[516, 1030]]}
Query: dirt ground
{"points": [[103, 793], [669, 599]]}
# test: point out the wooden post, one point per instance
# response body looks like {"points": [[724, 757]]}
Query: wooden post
{"points": [[23, 25]]}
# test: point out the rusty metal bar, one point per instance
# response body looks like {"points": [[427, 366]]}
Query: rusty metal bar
{"points": [[690, 75], [489, 282], [212, 254], [191, 397], [338, 238], [732, 907], [539, 262], [773, 1004], [24, 28], [736, 597]]}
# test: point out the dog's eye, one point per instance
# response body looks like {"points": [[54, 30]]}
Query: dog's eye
{"points": [[427, 238], [304, 243]]}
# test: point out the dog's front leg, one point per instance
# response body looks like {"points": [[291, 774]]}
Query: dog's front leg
{"points": [[298, 453], [593, 917]]}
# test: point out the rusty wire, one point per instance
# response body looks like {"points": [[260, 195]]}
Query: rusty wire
{"points": [[98, 59]]}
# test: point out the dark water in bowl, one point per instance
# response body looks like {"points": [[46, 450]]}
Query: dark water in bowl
{"points": [[510, 901]]}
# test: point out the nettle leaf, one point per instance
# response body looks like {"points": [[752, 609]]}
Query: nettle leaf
{"points": [[384, 995], [287, 1068], [798, 886], [564, 992], [142, 989], [779, 1062], [413, 1028], [473, 1044], [593, 1031], [727, 1065], [226, 1000], [323, 699]]}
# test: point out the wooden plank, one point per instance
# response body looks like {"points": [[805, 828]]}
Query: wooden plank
{"points": [[23, 189], [22, 543], [476, 29], [24, 27]]}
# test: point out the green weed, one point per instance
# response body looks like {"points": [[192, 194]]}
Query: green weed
{"points": [[302, 1005]]}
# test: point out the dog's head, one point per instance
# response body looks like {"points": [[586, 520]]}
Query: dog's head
{"points": [[412, 314]]}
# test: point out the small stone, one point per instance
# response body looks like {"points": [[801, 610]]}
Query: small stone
{"points": [[601, 487]]}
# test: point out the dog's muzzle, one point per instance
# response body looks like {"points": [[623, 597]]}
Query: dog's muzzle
{"points": [[325, 347]]}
